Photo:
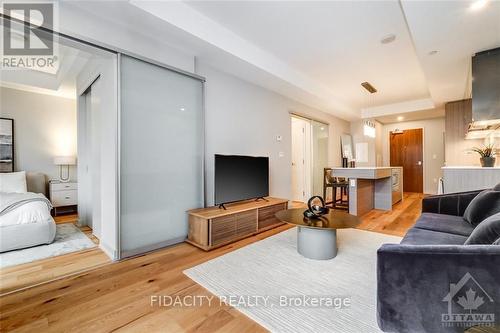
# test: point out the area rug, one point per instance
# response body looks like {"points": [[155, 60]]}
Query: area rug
{"points": [[68, 239], [298, 289]]}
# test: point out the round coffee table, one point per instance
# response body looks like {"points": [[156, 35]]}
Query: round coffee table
{"points": [[317, 238]]}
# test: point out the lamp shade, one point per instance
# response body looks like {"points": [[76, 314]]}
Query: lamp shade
{"points": [[65, 160]]}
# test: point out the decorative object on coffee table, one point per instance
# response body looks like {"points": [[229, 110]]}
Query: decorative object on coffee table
{"points": [[315, 208], [487, 155]]}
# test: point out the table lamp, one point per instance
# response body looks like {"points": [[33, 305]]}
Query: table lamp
{"points": [[64, 161]]}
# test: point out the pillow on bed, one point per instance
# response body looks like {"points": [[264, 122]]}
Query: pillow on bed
{"points": [[13, 182]]}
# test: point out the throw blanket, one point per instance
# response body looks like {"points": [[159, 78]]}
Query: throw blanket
{"points": [[11, 201]]}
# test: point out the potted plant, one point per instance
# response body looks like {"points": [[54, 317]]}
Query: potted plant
{"points": [[487, 155]]}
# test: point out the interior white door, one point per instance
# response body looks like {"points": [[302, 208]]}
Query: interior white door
{"points": [[298, 159], [319, 155]]}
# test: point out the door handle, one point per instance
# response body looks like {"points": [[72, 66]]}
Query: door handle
{"points": [[419, 163]]}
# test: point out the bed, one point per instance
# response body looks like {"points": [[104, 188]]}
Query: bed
{"points": [[25, 219]]}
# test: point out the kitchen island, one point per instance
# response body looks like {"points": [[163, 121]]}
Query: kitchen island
{"points": [[372, 187]]}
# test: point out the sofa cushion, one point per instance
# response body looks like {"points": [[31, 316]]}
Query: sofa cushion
{"points": [[444, 223], [497, 187], [484, 205], [487, 232], [456, 204], [497, 242], [416, 236]]}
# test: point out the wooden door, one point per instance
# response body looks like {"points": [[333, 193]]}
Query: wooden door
{"points": [[407, 152]]}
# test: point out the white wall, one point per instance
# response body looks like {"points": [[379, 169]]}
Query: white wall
{"points": [[44, 127], [242, 118], [433, 148]]}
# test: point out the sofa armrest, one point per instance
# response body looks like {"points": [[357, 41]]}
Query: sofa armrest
{"points": [[450, 204], [414, 280]]}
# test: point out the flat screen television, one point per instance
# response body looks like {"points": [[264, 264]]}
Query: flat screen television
{"points": [[240, 178]]}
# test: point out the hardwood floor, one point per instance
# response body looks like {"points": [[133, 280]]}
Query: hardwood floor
{"points": [[40, 271], [396, 222], [116, 296]]}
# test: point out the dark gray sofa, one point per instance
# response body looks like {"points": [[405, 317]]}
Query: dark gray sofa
{"points": [[431, 282]]}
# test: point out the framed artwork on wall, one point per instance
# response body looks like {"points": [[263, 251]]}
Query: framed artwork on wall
{"points": [[6, 145]]}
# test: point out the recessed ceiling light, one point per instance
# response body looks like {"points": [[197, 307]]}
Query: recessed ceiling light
{"points": [[388, 39], [401, 118], [433, 52], [478, 4]]}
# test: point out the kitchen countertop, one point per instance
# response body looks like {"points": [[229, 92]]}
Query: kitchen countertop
{"points": [[368, 168], [364, 172]]}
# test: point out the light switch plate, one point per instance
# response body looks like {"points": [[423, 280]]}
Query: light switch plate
{"points": [[279, 138], [352, 182]]}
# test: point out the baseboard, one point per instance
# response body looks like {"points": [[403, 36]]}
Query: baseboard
{"points": [[110, 252]]}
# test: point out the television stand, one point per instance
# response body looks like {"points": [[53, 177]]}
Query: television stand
{"points": [[213, 227], [222, 206], [257, 199]]}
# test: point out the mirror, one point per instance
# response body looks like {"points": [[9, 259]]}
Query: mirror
{"points": [[346, 144]]}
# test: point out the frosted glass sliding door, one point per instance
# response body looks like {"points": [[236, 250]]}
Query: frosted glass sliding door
{"points": [[161, 155], [319, 155]]}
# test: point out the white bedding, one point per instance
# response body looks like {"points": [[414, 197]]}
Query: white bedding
{"points": [[29, 213], [25, 221]]}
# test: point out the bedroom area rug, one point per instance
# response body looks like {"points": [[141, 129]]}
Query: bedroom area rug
{"points": [[272, 268], [68, 239]]}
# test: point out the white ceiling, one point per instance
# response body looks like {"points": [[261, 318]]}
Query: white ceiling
{"points": [[335, 43], [457, 32], [319, 52], [411, 116], [59, 80]]}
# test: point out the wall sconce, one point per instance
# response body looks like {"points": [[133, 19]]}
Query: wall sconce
{"points": [[64, 161]]}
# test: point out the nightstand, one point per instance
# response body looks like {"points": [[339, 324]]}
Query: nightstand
{"points": [[63, 194]]}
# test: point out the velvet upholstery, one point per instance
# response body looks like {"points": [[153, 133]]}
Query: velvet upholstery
{"points": [[497, 242], [444, 223], [449, 204], [416, 236], [485, 204], [487, 232], [412, 281], [414, 277]]}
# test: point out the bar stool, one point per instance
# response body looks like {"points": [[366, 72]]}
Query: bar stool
{"points": [[328, 182], [336, 184], [341, 184]]}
